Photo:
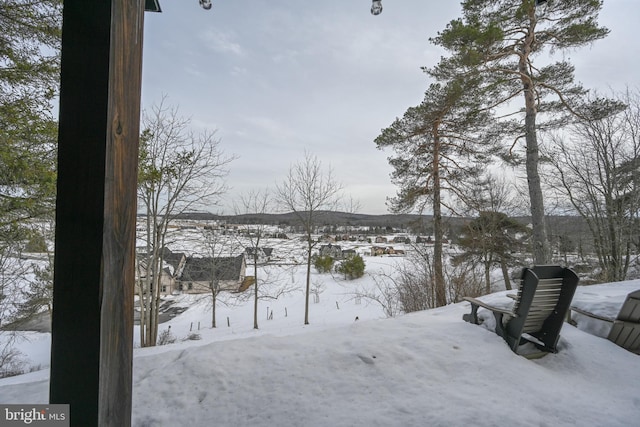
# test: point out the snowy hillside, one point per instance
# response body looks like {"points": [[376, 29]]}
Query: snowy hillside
{"points": [[427, 368]]}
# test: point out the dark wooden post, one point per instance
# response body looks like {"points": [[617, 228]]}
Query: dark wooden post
{"points": [[92, 324]]}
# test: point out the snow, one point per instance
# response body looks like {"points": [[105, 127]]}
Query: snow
{"points": [[426, 368]]}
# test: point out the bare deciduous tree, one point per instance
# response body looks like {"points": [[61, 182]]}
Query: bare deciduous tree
{"points": [[220, 259], [410, 286], [597, 168], [384, 293], [12, 272], [307, 191], [317, 288], [179, 171], [255, 202]]}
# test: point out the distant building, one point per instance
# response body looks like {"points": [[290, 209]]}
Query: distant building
{"points": [[279, 235], [334, 251], [348, 253], [428, 240], [175, 259], [377, 251], [401, 239], [263, 254], [388, 250], [200, 274], [172, 265]]}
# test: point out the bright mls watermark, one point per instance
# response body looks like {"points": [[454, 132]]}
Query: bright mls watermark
{"points": [[34, 415]]}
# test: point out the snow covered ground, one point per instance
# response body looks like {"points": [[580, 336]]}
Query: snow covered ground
{"points": [[423, 369]]}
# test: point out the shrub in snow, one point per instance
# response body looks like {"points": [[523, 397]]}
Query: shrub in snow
{"points": [[166, 337], [323, 263], [11, 362], [352, 267]]}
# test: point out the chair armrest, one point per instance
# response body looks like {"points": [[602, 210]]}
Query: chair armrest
{"points": [[477, 302], [592, 315]]}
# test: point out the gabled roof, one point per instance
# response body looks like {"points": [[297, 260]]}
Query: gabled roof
{"points": [[172, 258], [265, 251], [207, 269], [330, 247], [142, 269]]}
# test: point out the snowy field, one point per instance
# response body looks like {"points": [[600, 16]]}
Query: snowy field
{"points": [[423, 369]]}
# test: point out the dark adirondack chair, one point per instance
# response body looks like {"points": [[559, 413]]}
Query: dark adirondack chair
{"points": [[541, 305], [625, 329]]}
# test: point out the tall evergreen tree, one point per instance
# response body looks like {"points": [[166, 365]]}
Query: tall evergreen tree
{"points": [[29, 71], [437, 145], [30, 35], [491, 239], [504, 41]]}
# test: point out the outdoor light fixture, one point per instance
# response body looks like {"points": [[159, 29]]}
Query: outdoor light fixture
{"points": [[376, 7], [206, 4], [152, 6]]}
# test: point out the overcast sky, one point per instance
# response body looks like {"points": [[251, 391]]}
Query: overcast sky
{"points": [[278, 77]]}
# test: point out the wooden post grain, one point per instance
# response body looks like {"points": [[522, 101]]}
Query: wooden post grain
{"points": [[92, 322]]}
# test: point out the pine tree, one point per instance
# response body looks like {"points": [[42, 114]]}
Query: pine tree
{"points": [[491, 239], [30, 34], [504, 41], [29, 69], [438, 145], [352, 267]]}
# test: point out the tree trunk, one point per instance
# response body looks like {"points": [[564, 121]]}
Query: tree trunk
{"points": [[505, 274], [140, 287], [440, 289], [306, 295], [540, 243], [614, 229], [144, 295], [487, 277], [255, 289], [214, 299], [158, 256], [142, 312], [153, 312]]}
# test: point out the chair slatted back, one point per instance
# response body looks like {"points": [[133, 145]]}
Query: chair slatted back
{"points": [[630, 310], [625, 331], [542, 302]]}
